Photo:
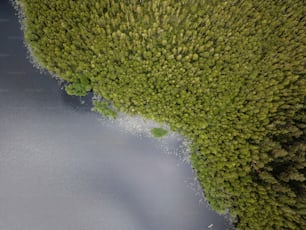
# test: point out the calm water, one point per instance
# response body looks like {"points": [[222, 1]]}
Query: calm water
{"points": [[61, 168]]}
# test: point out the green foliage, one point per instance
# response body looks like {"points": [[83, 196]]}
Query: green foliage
{"points": [[77, 89], [104, 109], [159, 132], [228, 75]]}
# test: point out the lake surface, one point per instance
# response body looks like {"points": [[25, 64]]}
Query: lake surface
{"points": [[61, 168]]}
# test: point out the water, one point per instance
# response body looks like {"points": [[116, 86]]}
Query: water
{"points": [[62, 168]]}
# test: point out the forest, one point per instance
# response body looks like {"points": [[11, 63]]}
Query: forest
{"points": [[227, 75]]}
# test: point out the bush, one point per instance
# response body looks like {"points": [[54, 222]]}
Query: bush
{"points": [[158, 132], [228, 75], [104, 109], [77, 89]]}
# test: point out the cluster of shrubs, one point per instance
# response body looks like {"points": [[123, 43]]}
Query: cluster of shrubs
{"points": [[228, 75]]}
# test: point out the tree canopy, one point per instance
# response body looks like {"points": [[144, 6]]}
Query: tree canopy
{"points": [[228, 75]]}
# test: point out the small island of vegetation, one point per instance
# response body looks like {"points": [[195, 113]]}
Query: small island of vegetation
{"points": [[227, 75], [158, 132]]}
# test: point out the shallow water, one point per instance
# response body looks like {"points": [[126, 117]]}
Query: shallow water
{"points": [[62, 168]]}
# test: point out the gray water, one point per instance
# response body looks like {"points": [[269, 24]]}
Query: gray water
{"points": [[62, 169]]}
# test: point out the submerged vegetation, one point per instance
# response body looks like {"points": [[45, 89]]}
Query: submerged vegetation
{"points": [[228, 75]]}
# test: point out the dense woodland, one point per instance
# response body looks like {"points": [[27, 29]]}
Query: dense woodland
{"points": [[228, 75]]}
